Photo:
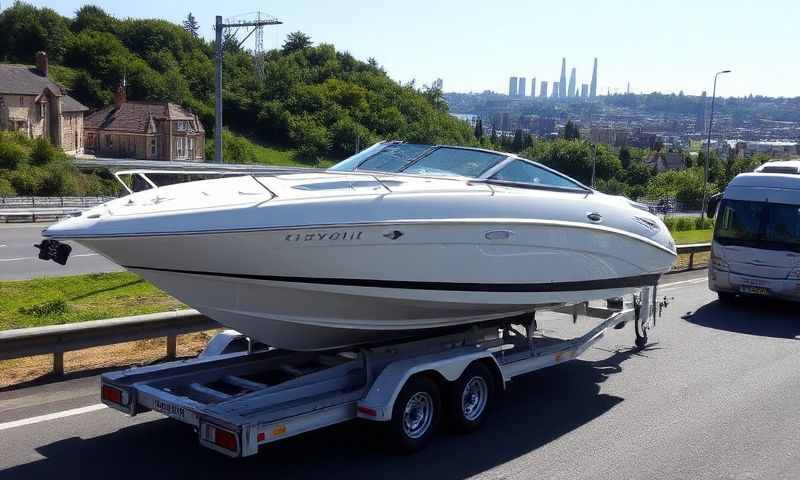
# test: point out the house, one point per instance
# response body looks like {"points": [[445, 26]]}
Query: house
{"points": [[34, 105], [666, 161], [144, 130]]}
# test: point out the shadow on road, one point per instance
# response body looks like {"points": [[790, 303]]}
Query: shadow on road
{"points": [[536, 410], [752, 316]]}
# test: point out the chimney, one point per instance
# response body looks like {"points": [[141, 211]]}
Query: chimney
{"points": [[41, 63], [119, 95]]}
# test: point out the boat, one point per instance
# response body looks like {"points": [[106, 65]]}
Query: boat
{"points": [[399, 238]]}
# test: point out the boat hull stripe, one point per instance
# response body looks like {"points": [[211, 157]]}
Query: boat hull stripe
{"points": [[584, 285]]}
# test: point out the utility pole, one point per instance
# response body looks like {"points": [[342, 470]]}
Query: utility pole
{"points": [[594, 162], [708, 143], [219, 28]]}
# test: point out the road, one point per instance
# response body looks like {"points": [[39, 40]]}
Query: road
{"points": [[715, 396], [18, 259]]}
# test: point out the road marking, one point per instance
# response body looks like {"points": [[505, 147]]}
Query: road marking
{"points": [[34, 258], [51, 416], [1, 246], [682, 282]]}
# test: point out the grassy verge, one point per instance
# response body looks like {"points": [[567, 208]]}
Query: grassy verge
{"points": [[50, 301], [692, 236]]}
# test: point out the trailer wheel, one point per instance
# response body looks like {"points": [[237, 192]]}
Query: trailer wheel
{"points": [[415, 416], [470, 398]]}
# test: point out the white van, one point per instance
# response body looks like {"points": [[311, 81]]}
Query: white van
{"points": [[756, 244]]}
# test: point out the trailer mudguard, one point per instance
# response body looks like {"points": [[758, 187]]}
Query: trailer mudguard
{"points": [[384, 391]]}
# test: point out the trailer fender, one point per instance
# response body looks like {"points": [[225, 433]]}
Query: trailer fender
{"points": [[377, 405]]}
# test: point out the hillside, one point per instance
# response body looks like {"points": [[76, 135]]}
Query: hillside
{"points": [[314, 101]]}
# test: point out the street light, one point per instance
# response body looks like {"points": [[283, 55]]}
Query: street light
{"points": [[708, 141]]}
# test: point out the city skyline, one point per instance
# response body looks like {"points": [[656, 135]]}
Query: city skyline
{"points": [[661, 47]]}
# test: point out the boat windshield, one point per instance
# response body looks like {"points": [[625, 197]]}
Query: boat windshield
{"points": [[520, 171], [770, 226], [421, 160]]}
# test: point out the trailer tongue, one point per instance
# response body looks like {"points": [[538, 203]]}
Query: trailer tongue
{"points": [[239, 395]]}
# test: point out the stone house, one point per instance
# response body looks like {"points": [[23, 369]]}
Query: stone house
{"points": [[34, 105], [144, 130]]}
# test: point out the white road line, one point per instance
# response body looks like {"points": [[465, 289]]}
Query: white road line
{"points": [[51, 416], [682, 282], [34, 258], [1, 246]]}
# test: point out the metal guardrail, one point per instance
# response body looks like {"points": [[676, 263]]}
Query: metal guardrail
{"points": [[52, 202], [45, 214], [57, 339], [691, 249]]}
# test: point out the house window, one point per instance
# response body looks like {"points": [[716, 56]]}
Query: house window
{"points": [[21, 101], [153, 147], [180, 146], [42, 111], [180, 125], [191, 147]]}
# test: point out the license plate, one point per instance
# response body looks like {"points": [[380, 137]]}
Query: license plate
{"points": [[754, 290], [169, 409]]}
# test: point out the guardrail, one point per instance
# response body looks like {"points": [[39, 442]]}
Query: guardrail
{"points": [[47, 214], [691, 249], [52, 202], [57, 339]]}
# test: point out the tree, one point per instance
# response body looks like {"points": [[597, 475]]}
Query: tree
{"points": [[296, 41], [479, 128], [571, 131], [191, 25], [518, 142], [494, 135], [625, 157]]}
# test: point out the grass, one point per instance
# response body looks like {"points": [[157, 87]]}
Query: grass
{"points": [[692, 236], [57, 300], [269, 155]]}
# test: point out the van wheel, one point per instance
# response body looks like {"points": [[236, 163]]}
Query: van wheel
{"points": [[726, 297], [415, 416], [471, 397]]}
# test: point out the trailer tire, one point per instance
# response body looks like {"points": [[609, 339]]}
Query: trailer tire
{"points": [[415, 415], [471, 397]]}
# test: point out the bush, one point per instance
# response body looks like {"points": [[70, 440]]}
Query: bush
{"points": [[12, 154], [6, 190], [683, 223], [43, 152], [52, 307]]}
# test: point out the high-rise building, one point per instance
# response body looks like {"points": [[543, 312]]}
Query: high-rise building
{"points": [[571, 88], [556, 89], [700, 122], [584, 90], [522, 89], [512, 87], [438, 84], [543, 89], [533, 86], [593, 86], [562, 84]]}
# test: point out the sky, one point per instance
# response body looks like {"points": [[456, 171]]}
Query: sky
{"points": [[656, 45]]}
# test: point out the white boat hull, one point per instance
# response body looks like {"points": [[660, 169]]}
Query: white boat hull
{"points": [[328, 287]]}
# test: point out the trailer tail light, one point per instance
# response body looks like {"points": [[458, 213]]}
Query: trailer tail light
{"points": [[221, 438], [114, 395], [370, 412]]}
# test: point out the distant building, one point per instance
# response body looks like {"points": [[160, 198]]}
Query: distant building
{"points": [[700, 121], [666, 161], [584, 90], [571, 88], [556, 89], [521, 87], [145, 130], [543, 89], [593, 85], [533, 86], [774, 149], [438, 84], [512, 86], [562, 83], [37, 107]]}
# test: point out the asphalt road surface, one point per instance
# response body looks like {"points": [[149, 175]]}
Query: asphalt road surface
{"points": [[18, 260], [716, 395]]}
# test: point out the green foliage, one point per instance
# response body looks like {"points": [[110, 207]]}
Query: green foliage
{"points": [[12, 153], [6, 190], [43, 153], [296, 41], [684, 223], [51, 307], [574, 158], [686, 186], [625, 157], [571, 131]]}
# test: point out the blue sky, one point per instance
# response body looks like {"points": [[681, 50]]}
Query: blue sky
{"points": [[655, 45]]}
